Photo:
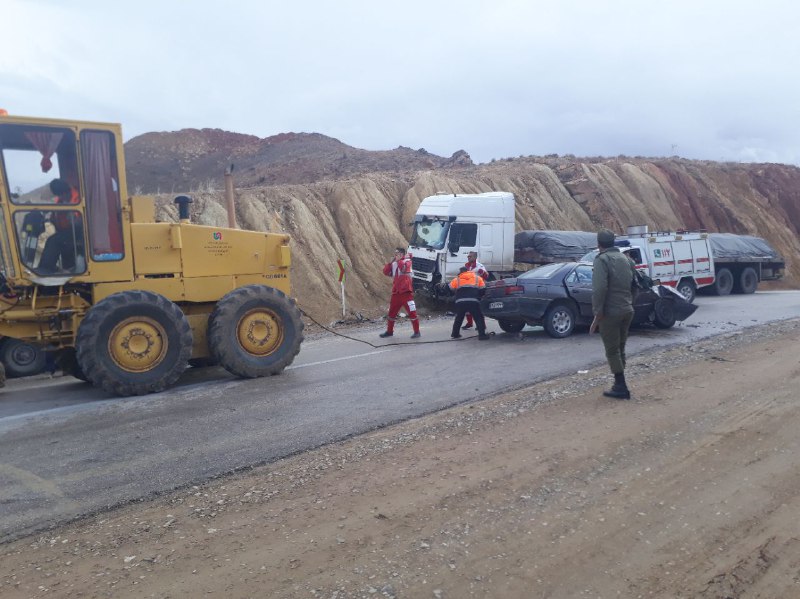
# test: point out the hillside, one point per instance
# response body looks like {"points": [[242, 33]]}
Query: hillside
{"points": [[192, 159], [337, 201]]}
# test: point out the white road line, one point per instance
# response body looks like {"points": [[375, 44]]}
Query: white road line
{"points": [[372, 353]]}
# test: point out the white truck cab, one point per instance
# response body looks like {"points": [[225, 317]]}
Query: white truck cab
{"points": [[449, 226]]}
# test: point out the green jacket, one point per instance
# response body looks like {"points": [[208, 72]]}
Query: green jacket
{"points": [[611, 283]]}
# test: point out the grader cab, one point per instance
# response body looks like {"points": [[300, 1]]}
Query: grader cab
{"points": [[126, 302]]}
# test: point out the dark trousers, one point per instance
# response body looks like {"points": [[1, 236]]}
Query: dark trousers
{"points": [[474, 308], [614, 333]]}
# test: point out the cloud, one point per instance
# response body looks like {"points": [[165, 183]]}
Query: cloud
{"points": [[712, 79]]}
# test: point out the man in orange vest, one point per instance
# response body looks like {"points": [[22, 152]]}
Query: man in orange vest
{"points": [[473, 264], [468, 287], [69, 231]]}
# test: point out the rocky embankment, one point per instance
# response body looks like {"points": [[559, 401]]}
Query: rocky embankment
{"points": [[360, 219]]}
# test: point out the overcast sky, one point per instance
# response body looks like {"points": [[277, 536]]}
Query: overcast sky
{"points": [[717, 80]]}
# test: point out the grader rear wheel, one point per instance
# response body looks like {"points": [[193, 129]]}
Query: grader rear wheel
{"points": [[255, 331], [134, 342]]}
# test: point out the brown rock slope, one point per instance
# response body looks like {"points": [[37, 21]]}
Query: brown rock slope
{"points": [[362, 218]]}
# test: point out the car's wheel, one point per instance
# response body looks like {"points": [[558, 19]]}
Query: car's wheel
{"points": [[559, 321], [687, 289], [21, 358], [255, 331], [134, 342], [664, 313], [511, 326], [748, 281], [723, 284]]}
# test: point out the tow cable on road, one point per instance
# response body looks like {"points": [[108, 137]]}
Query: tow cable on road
{"points": [[322, 326]]}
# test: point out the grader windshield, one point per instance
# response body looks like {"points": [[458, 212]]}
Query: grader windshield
{"points": [[61, 201]]}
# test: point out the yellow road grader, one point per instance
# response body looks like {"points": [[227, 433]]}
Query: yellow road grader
{"points": [[126, 302]]}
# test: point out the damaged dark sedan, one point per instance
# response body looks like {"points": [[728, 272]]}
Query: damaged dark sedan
{"points": [[558, 297]]}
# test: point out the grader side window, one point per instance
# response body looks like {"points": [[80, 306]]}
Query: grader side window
{"points": [[103, 207]]}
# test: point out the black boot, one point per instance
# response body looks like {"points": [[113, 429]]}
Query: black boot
{"points": [[619, 390]]}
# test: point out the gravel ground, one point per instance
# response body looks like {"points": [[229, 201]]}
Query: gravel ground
{"points": [[688, 490]]}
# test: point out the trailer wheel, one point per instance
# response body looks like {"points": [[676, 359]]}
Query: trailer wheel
{"points": [[559, 321], [255, 331], [133, 343], [748, 281], [723, 285], [511, 326], [21, 358], [664, 314], [687, 289]]}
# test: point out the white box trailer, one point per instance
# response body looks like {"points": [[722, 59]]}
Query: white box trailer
{"points": [[679, 259]]}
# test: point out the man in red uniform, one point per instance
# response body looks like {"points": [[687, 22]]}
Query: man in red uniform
{"points": [[402, 292], [474, 265]]}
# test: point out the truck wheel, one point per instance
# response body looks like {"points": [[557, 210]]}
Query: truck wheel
{"points": [[748, 281], [255, 331], [664, 314], [21, 358], [559, 321], [687, 289], [134, 342], [511, 326], [723, 285]]}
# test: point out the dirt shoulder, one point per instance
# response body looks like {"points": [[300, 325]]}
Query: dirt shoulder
{"points": [[691, 489]]}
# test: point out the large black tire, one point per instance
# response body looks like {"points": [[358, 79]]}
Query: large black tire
{"points": [[255, 331], [748, 281], [559, 321], [664, 313], [21, 358], [511, 326], [687, 288], [133, 343], [723, 283]]}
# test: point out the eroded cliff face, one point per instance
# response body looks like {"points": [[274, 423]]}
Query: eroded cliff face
{"points": [[360, 220]]}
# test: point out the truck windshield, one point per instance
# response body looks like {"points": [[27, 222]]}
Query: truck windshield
{"points": [[430, 234], [589, 257]]}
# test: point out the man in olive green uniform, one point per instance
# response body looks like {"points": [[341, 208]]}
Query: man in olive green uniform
{"points": [[612, 305]]}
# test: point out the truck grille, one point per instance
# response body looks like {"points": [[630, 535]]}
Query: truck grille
{"points": [[423, 265]]}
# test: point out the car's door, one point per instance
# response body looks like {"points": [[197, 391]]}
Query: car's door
{"points": [[579, 287]]}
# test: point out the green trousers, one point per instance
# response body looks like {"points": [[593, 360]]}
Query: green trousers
{"points": [[614, 333]]}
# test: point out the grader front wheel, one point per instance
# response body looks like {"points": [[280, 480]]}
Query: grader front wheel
{"points": [[255, 331], [134, 342]]}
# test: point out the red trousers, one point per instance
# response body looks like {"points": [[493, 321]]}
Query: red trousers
{"points": [[406, 302]]}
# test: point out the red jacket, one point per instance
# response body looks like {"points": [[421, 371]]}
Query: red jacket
{"points": [[478, 267], [400, 271], [63, 220]]}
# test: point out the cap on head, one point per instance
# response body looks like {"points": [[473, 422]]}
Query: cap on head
{"points": [[605, 238]]}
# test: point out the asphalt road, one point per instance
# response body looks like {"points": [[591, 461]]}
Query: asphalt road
{"points": [[68, 449]]}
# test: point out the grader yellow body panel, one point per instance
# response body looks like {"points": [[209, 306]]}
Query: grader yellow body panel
{"points": [[87, 271]]}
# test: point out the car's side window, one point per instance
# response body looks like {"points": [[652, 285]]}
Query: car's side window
{"points": [[583, 274]]}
